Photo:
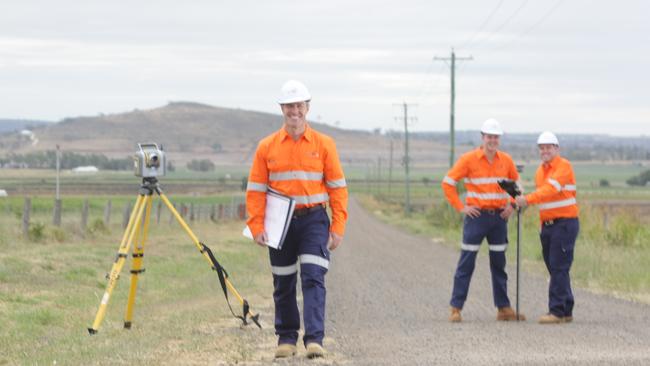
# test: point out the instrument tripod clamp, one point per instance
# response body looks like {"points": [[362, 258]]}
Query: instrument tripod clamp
{"points": [[135, 235]]}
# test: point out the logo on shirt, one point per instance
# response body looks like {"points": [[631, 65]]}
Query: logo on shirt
{"points": [[313, 154]]}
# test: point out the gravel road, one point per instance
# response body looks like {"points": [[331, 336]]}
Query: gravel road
{"points": [[388, 296]]}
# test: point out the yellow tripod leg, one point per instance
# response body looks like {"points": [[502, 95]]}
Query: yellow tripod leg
{"points": [[127, 239], [138, 257], [200, 247]]}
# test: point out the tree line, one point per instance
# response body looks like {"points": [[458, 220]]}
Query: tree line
{"points": [[69, 160]]}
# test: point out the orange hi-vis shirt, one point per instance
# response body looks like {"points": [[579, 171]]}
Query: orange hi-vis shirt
{"points": [[556, 190], [308, 170], [481, 180]]}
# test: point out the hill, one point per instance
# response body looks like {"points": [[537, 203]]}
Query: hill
{"points": [[229, 136], [189, 131]]}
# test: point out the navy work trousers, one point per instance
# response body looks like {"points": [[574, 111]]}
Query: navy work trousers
{"points": [[488, 225], [558, 241], [304, 245]]}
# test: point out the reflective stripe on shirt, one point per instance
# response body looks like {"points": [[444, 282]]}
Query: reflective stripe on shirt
{"points": [[339, 183], [315, 198], [257, 187], [295, 174], [556, 204], [488, 196], [485, 180], [449, 181]]}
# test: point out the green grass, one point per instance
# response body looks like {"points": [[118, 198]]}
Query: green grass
{"points": [[50, 292]]}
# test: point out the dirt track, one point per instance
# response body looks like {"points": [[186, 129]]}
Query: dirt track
{"points": [[388, 295]]}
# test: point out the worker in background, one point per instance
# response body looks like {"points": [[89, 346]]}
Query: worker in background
{"points": [[486, 209], [302, 163], [555, 196]]}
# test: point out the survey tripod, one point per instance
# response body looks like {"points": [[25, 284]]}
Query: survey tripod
{"points": [[136, 234]]}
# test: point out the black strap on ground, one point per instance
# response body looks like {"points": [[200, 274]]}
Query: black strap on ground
{"points": [[221, 272]]}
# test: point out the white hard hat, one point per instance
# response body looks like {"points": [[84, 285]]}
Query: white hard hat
{"points": [[547, 137], [491, 127], [293, 91]]}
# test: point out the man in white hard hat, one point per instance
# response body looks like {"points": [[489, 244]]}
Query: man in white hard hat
{"points": [[304, 164], [487, 208], [555, 196]]}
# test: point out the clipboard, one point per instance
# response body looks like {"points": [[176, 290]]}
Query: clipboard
{"points": [[277, 218]]}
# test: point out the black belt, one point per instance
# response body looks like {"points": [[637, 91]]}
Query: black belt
{"points": [[555, 221], [307, 210], [492, 211]]}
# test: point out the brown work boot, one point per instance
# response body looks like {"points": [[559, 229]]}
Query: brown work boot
{"points": [[285, 350], [314, 350], [568, 319], [455, 317], [551, 319], [507, 314]]}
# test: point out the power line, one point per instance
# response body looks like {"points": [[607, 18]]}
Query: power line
{"points": [[502, 25], [541, 20], [482, 26]]}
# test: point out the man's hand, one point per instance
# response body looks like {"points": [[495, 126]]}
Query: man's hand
{"points": [[471, 211], [261, 239], [507, 211], [521, 201], [335, 241]]}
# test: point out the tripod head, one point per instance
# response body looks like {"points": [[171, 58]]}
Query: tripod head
{"points": [[149, 186]]}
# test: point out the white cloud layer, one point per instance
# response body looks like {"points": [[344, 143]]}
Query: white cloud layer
{"points": [[567, 65]]}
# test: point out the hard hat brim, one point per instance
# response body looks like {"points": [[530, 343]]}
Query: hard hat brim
{"points": [[293, 100], [495, 133]]}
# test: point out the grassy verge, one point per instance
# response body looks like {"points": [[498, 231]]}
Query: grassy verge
{"points": [[50, 291], [612, 253]]}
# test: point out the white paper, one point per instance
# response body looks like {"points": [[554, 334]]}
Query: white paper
{"points": [[277, 217]]}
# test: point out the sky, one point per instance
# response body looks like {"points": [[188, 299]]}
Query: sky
{"points": [[570, 66]]}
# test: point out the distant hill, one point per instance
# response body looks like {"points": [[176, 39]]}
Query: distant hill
{"points": [[187, 131], [13, 125], [229, 136]]}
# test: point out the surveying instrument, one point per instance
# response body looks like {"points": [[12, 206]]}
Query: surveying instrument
{"points": [[513, 190], [149, 163]]}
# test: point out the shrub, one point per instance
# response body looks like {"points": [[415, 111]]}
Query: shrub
{"points": [[98, 227], [58, 234], [36, 231]]}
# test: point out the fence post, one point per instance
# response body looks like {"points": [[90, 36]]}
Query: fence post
{"points": [[107, 213], [56, 217], [213, 212], [26, 210], [242, 211], [84, 215], [221, 211], [126, 215], [192, 211], [158, 209]]}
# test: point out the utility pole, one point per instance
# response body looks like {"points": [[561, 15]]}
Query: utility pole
{"points": [[390, 165], [379, 174], [407, 159], [452, 137], [56, 219]]}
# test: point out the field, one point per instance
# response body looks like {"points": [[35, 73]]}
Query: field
{"points": [[52, 280], [50, 290]]}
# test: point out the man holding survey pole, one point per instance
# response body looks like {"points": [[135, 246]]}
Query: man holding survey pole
{"points": [[302, 164]]}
